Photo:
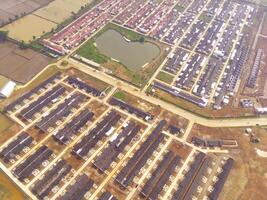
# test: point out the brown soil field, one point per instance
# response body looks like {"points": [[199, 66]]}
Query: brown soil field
{"points": [[60, 10], [14, 9], [175, 120], [248, 178], [21, 65], [8, 189]]}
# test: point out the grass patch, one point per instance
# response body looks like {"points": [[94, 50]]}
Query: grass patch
{"points": [[120, 95], [179, 8], [90, 51], [167, 78], [205, 17]]}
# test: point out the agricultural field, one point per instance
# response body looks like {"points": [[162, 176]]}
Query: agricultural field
{"points": [[60, 10], [43, 20], [39, 26], [21, 65], [11, 10]]}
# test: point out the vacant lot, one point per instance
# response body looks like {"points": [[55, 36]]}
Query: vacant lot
{"points": [[248, 178], [8, 189], [20, 65], [14, 9]]}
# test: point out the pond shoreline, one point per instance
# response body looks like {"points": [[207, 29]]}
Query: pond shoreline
{"points": [[133, 54]]}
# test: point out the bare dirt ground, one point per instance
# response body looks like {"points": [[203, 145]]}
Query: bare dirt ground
{"points": [[138, 103], [20, 65], [248, 178], [14, 9]]}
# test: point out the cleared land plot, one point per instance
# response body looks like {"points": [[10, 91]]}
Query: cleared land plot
{"points": [[13, 9], [20, 65], [247, 179], [167, 78], [8, 189]]}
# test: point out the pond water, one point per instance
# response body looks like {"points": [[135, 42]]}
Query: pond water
{"points": [[134, 55]]}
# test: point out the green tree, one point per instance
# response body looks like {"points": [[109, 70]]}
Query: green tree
{"points": [[3, 35], [23, 45], [142, 39]]}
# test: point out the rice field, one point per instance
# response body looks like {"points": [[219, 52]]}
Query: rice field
{"points": [[36, 27], [60, 10], [43, 20]]}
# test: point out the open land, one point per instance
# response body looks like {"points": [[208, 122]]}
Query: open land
{"points": [[11, 10], [248, 177], [43, 20], [21, 65]]}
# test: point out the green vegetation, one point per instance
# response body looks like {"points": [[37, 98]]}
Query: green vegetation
{"points": [[35, 45], [120, 95], [3, 35], [64, 63], [23, 45], [205, 17], [179, 8], [167, 78], [90, 51]]}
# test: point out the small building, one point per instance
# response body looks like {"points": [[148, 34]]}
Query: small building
{"points": [[6, 87], [246, 103]]}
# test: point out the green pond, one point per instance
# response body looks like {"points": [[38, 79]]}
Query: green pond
{"points": [[134, 55]]}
